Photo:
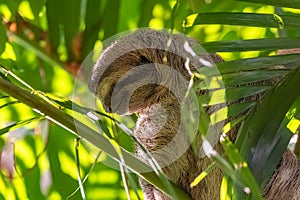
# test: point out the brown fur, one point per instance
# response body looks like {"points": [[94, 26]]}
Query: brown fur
{"points": [[156, 103], [284, 183]]}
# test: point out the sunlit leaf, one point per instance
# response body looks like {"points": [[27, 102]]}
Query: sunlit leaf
{"points": [[36, 7], [19, 124], [55, 148], [12, 6], [146, 12], [202, 175], [28, 163], [9, 103], [226, 188]]}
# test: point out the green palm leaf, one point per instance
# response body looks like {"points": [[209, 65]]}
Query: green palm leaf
{"points": [[245, 19], [267, 134]]}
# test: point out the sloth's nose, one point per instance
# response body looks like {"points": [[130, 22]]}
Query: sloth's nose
{"points": [[107, 104], [108, 109]]}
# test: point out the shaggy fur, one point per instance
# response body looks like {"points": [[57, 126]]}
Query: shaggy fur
{"points": [[116, 75]]}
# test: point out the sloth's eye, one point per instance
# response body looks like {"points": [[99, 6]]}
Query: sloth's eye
{"points": [[145, 60]]}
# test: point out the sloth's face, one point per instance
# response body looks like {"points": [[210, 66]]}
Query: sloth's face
{"points": [[128, 84], [143, 68], [125, 96], [133, 82]]}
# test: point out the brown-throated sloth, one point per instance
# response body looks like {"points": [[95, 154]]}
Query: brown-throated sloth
{"points": [[148, 72]]}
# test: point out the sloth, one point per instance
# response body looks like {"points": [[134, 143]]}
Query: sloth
{"points": [[148, 72]]}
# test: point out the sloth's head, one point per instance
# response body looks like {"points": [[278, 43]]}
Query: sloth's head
{"points": [[143, 68]]}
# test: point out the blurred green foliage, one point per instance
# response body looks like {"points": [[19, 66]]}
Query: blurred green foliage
{"points": [[44, 42]]}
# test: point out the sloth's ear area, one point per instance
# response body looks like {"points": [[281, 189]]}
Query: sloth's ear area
{"points": [[133, 90], [144, 59]]}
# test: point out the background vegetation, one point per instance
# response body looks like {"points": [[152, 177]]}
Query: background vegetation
{"points": [[42, 45]]}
